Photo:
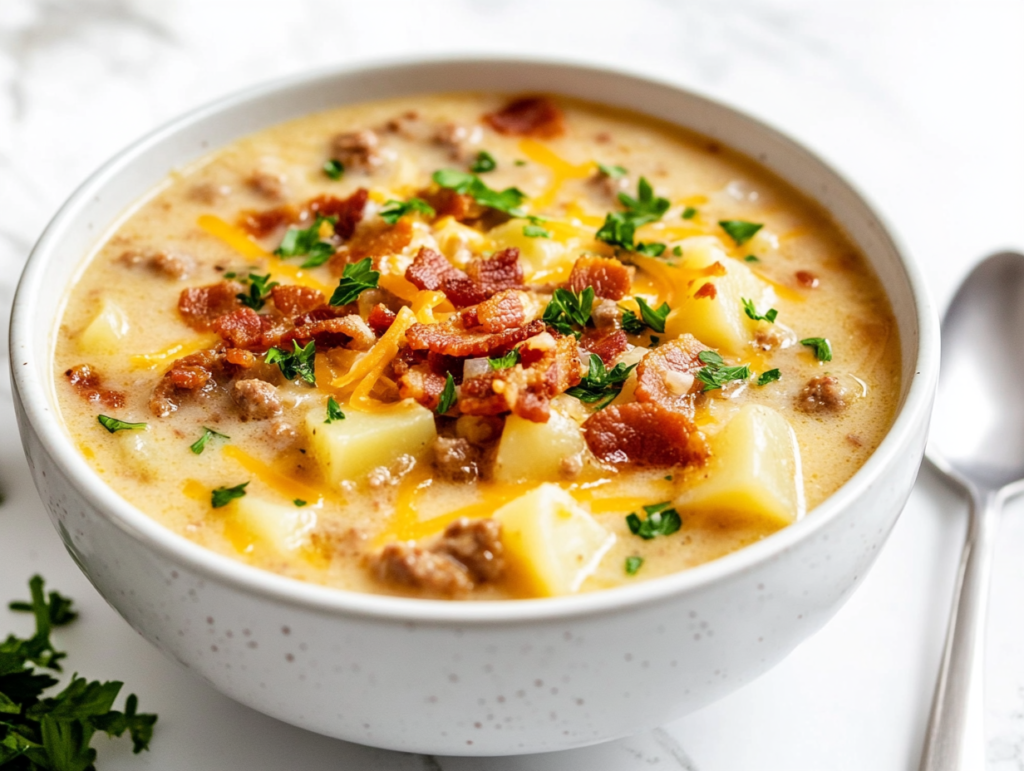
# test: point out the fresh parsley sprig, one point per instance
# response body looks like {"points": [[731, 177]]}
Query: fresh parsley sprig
{"points": [[222, 496], [600, 385], [259, 291], [507, 361], [619, 228], [614, 172], [334, 169], [208, 433], [113, 425], [661, 519], [569, 311], [822, 347], [740, 231], [715, 374], [333, 411], [448, 396], [298, 363], [769, 376], [483, 163], [392, 211], [769, 315], [633, 565], [309, 242], [355, 279], [509, 200]]}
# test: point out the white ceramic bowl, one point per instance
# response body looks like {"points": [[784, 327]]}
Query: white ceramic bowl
{"points": [[450, 677]]}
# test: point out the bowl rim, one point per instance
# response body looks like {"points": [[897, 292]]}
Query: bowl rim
{"points": [[32, 393]]}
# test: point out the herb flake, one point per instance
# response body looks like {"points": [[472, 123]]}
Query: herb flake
{"points": [[259, 291], [508, 200], [715, 374], [448, 397], [222, 496], [569, 311], [769, 376], [689, 213], [309, 242], [619, 228], [614, 172], [355, 279], [769, 315], [507, 361], [334, 169], [392, 211], [298, 363], [483, 163], [333, 411], [822, 347], [661, 519], [600, 385], [740, 231], [633, 564], [113, 425], [208, 433]]}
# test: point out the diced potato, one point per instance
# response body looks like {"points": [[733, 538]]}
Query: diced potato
{"points": [[285, 527], [140, 453], [719, 321], [348, 449], [453, 238], [754, 470], [551, 543], [529, 450], [539, 254], [106, 330]]}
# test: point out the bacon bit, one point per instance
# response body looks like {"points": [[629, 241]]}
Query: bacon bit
{"points": [[240, 358], [192, 374], [266, 184], [293, 300], [807, 279], [607, 346], [240, 329], [423, 385], [452, 339], [374, 241], [714, 269], [447, 203], [497, 272], [88, 383], [659, 373], [503, 311], [708, 290], [644, 433], [200, 306], [529, 116], [330, 333], [262, 223], [349, 211], [483, 278], [380, 319], [609, 277]]}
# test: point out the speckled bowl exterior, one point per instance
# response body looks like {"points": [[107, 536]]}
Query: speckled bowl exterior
{"points": [[464, 678]]}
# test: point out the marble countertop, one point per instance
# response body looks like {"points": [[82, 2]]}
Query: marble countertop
{"points": [[920, 103]]}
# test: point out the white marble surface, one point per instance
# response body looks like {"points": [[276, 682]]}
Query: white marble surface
{"points": [[920, 103]]}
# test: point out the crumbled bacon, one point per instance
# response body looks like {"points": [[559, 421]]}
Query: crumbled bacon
{"points": [[330, 333], [452, 339], [447, 203], [529, 116], [644, 433], [483, 277], [240, 358], [374, 241], [293, 300], [192, 374], [88, 384], [262, 223], [201, 305], [807, 279], [608, 277], [420, 383], [666, 375], [240, 329], [349, 211], [497, 272], [502, 311], [608, 346], [380, 318], [708, 290]]}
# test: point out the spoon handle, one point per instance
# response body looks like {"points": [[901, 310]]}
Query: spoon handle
{"points": [[956, 734]]}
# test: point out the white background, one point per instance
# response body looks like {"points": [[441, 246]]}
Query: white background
{"points": [[921, 104]]}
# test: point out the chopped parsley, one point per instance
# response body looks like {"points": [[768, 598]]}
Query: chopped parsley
{"points": [[677, 251], [569, 310], [751, 258], [631, 323], [619, 228], [508, 200], [600, 385], [298, 363], [769, 315], [769, 377], [299, 502], [653, 317], [393, 210], [55, 732], [333, 411], [357, 277], [615, 172], [822, 347], [536, 231], [689, 213], [113, 425], [483, 163], [714, 374], [334, 169], [633, 565], [507, 361], [208, 433], [309, 242], [740, 231], [259, 291], [222, 496], [661, 519], [447, 399], [519, 162]]}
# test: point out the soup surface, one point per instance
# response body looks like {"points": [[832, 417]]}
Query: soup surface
{"points": [[476, 347]]}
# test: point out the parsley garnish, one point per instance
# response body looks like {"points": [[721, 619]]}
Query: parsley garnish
{"points": [[507, 361], [714, 374], [200, 444], [615, 172], [298, 363], [677, 251], [333, 411], [299, 502], [568, 308], [447, 399], [740, 231], [259, 291], [633, 565], [619, 228], [508, 200], [393, 210], [689, 213], [54, 733], [357, 277], [536, 231], [483, 162], [661, 520], [769, 377], [653, 317], [298, 242], [600, 386], [822, 347], [631, 322], [113, 425], [222, 496], [334, 169], [519, 162], [751, 258], [769, 315]]}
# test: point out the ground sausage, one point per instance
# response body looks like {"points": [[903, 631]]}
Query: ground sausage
{"points": [[822, 394], [456, 459], [357, 150], [256, 399], [413, 566], [476, 543]]}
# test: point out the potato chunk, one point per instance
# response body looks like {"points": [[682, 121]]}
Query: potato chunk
{"points": [[285, 527], [348, 449], [106, 330], [754, 470], [538, 254], [551, 544], [716, 316], [537, 451]]}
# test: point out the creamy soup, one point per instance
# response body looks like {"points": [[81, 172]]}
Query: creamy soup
{"points": [[476, 347]]}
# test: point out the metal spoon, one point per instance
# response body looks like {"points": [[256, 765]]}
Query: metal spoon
{"points": [[977, 440]]}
